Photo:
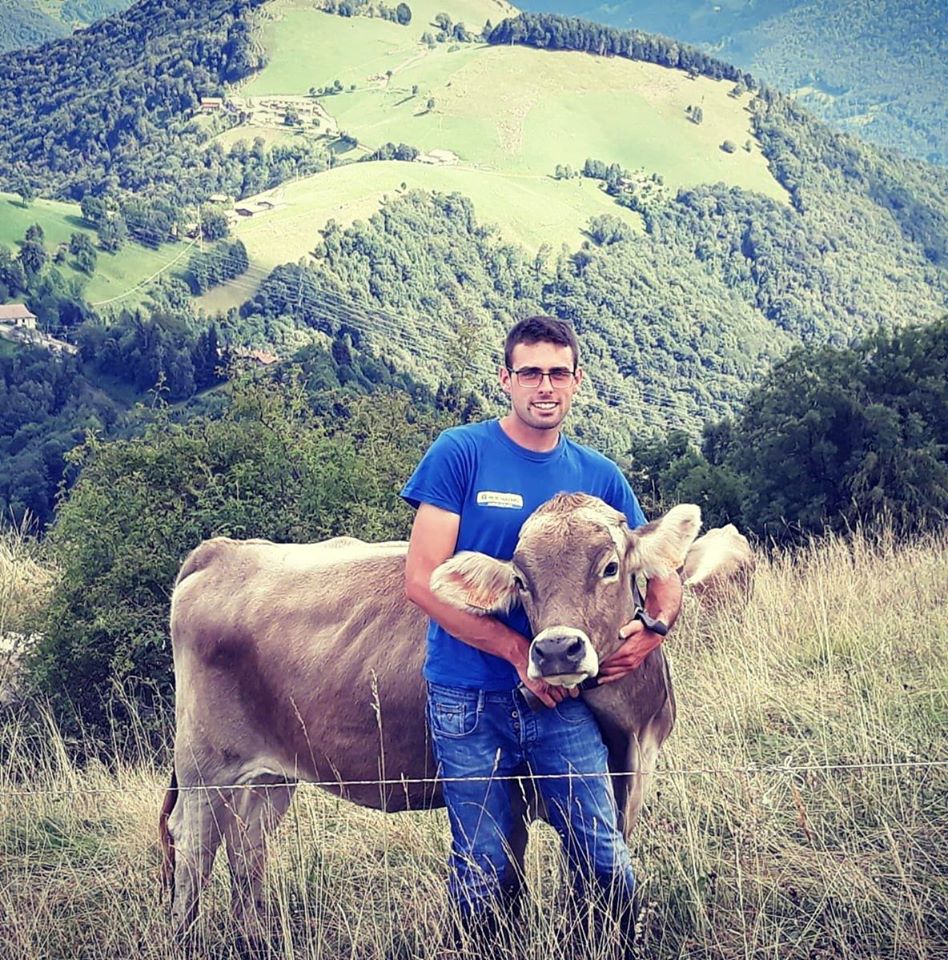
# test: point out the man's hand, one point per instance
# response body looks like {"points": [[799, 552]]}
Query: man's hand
{"points": [[639, 643], [548, 694]]}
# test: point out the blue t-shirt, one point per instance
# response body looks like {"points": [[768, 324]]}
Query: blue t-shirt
{"points": [[494, 484]]}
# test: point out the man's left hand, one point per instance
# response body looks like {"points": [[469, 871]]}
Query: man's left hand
{"points": [[639, 643]]}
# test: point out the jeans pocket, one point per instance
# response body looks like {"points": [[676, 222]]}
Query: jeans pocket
{"points": [[573, 710], [453, 712]]}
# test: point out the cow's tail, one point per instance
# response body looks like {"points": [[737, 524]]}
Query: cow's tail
{"points": [[164, 835]]}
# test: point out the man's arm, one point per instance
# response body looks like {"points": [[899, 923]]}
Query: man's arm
{"points": [[662, 602], [434, 537]]}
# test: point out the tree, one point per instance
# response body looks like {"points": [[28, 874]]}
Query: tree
{"points": [[269, 466], [214, 223], [113, 232], [697, 115], [86, 260], [729, 146], [403, 14], [430, 105], [93, 208], [24, 189], [33, 257], [835, 437]]}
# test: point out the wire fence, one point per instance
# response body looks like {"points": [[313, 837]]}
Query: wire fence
{"points": [[749, 770]]}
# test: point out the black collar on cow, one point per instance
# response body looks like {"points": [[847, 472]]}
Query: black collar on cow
{"points": [[650, 623]]}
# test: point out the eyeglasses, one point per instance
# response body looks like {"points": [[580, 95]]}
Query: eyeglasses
{"points": [[533, 376]]}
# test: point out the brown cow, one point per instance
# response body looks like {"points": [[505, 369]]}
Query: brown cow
{"points": [[720, 567], [303, 662]]}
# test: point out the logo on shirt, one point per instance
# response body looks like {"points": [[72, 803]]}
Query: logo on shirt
{"points": [[490, 498]]}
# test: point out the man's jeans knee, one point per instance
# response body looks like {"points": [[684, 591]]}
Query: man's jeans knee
{"points": [[482, 738]]}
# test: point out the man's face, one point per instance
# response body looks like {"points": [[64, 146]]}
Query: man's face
{"points": [[544, 405]]}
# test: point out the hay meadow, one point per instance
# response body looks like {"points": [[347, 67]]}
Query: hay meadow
{"points": [[799, 809]]}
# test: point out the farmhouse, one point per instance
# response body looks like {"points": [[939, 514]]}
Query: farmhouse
{"points": [[17, 315], [211, 104], [262, 358], [252, 207]]}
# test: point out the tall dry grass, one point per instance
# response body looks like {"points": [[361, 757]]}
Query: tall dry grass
{"points": [[26, 582], [781, 823]]}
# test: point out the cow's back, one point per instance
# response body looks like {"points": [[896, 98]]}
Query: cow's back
{"points": [[720, 566], [302, 660]]}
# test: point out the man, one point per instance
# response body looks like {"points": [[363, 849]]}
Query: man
{"points": [[473, 490]]}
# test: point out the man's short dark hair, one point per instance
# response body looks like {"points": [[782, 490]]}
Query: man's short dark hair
{"points": [[541, 330]]}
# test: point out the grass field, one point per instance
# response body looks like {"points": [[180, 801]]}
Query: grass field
{"points": [[309, 48], [798, 811], [116, 273], [512, 109], [528, 209], [509, 114]]}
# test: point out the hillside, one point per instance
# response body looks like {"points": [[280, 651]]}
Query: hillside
{"points": [[117, 277], [798, 809], [28, 23], [875, 69], [693, 227]]}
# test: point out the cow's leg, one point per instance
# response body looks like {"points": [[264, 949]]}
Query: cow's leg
{"points": [[196, 825], [257, 810], [643, 757]]}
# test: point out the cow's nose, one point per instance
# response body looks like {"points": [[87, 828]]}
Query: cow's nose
{"points": [[562, 655], [568, 649]]}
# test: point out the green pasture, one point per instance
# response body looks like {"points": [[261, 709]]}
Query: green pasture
{"points": [[271, 136], [309, 48], [529, 210], [525, 110], [116, 273], [511, 109]]}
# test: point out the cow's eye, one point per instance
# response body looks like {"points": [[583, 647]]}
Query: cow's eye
{"points": [[611, 569], [519, 584]]}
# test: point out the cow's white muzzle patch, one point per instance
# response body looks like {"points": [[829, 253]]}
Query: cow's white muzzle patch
{"points": [[562, 656]]}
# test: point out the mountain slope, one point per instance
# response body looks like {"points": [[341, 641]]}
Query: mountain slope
{"points": [[29, 23], [870, 67], [693, 250]]}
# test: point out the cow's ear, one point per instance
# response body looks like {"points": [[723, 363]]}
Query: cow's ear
{"points": [[659, 548], [475, 582]]}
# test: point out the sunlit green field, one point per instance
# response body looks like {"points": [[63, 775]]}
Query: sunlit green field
{"points": [[529, 210], [308, 48], [512, 109], [116, 274]]}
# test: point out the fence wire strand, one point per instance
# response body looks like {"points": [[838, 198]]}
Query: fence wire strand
{"points": [[782, 769]]}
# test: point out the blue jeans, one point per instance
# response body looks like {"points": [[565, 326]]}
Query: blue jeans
{"points": [[494, 734]]}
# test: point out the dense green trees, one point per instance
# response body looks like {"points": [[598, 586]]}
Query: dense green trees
{"points": [[224, 261], [111, 109], [552, 32], [834, 437], [392, 151], [268, 466]]}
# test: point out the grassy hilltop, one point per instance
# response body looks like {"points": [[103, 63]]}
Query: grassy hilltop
{"points": [[796, 812], [505, 116]]}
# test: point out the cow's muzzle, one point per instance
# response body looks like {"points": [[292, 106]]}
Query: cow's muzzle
{"points": [[562, 656]]}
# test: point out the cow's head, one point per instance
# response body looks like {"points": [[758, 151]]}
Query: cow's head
{"points": [[572, 571]]}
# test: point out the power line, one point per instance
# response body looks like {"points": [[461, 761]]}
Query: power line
{"points": [[371, 320]]}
